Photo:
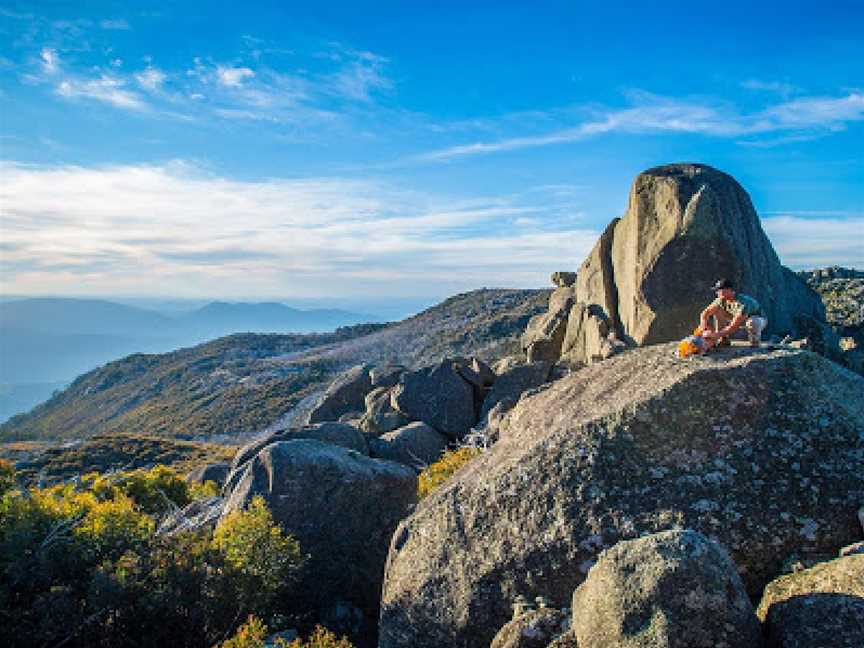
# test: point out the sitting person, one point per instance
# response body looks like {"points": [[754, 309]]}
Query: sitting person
{"points": [[733, 311]]}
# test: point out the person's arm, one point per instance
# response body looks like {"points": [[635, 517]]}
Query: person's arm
{"points": [[733, 326], [712, 308]]}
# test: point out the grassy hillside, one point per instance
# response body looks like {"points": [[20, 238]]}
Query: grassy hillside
{"points": [[110, 452], [241, 383]]}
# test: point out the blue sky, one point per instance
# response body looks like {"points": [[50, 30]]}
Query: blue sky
{"points": [[283, 149]]}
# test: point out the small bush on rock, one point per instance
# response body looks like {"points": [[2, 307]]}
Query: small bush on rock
{"points": [[253, 634], [437, 473]]}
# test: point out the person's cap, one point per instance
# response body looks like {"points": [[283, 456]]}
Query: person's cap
{"points": [[722, 283]]}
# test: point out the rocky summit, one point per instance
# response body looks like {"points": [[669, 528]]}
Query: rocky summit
{"points": [[650, 273], [758, 450]]}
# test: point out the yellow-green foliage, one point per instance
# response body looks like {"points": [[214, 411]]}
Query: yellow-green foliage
{"points": [[437, 473], [7, 476], [249, 635], [321, 638], [254, 545], [80, 565], [111, 452], [253, 633]]}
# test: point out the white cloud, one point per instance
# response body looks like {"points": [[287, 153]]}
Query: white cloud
{"points": [[50, 60], [232, 77], [151, 78], [360, 77], [654, 114], [130, 228], [780, 87], [815, 242], [106, 89]]}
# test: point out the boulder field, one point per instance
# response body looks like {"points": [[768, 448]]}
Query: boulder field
{"points": [[759, 450]]}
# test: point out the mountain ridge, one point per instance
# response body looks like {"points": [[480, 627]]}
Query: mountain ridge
{"points": [[239, 384]]}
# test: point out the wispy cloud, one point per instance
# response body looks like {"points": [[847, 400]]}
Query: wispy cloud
{"points": [[808, 116], [280, 236], [233, 77], [328, 89], [780, 87], [50, 61], [151, 78], [817, 242], [107, 89], [362, 75]]}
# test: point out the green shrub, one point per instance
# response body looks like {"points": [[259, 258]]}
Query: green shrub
{"points": [[437, 473], [254, 545], [321, 638], [250, 635], [7, 476], [253, 634], [80, 566]]}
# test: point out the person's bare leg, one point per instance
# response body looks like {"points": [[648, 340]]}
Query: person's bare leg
{"points": [[720, 320], [755, 326]]}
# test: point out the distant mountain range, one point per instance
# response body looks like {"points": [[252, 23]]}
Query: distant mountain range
{"points": [[46, 342], [240, 384]]}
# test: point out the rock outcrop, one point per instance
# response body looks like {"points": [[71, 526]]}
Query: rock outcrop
{"points": [[533, 629], [416, 445], [818, 607], [759, 450], [340, 505], [332, 432], [437, 395], [674, 589], [512, 382], [380, 416], [345, 395], [215, 472], [650, 273]]}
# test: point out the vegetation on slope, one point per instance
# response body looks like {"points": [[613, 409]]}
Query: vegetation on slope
{"points": [[80, 565], [231, 384], [242, 383], [112, 452]]}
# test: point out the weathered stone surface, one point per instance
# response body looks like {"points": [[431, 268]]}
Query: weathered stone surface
{"points": [[215, 472], [566, 640], [386, 375], [340, 505], [333, 432], [484, 371], [380, 416], [438, 396], [513, 381], [416, 445], [375, 395], [473, 378], [197, 515], [685, 226], [544, 335], [507, 363], [345, 394], [587, 337], [674, 589], [534, 629], [759, 450], [563, 279], [818, 607]]}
